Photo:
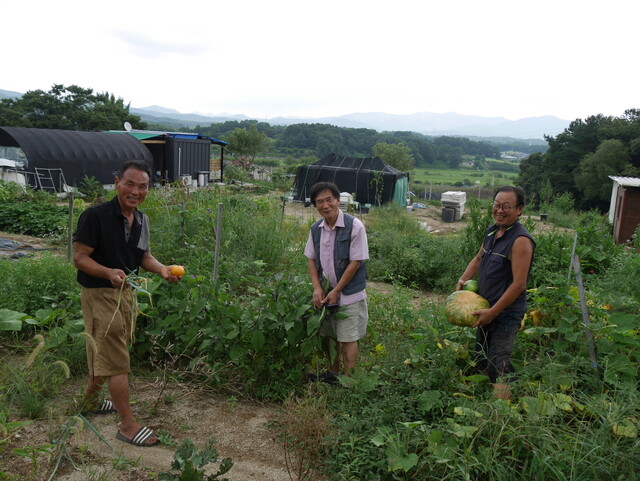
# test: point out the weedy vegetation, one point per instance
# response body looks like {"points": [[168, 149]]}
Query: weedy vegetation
{"points": [[417, 408]]}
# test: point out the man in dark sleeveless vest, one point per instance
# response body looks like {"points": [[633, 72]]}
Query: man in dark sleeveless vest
{"points": [[502, 264], [336, 251]]}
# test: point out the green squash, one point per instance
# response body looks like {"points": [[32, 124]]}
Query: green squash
{"points": [[470, 285]]}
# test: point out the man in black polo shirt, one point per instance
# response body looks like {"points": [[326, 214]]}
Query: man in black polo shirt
{"points": [[110, 242], [503, 264]]}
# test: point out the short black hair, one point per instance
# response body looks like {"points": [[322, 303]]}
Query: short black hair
{"points": [[134, 164], [319, 187], [519, 191]]}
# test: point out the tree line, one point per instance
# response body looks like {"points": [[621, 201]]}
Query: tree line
{"points": [[322, 139], [580, 160], [77, 108]]}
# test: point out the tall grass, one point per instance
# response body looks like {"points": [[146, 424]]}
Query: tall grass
{"points": [[255, 238]]}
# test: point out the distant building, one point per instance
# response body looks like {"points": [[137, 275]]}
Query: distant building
{"points": [[56, 159], [624, 210], [513, 155], [181, 155]]}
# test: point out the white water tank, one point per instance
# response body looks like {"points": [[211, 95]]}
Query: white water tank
{"points": [[455, 200]]}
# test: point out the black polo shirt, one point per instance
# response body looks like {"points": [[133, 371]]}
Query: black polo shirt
{"points": [[495, 274], [102, 228]]}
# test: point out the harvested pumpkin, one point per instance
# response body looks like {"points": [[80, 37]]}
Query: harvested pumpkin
{"points": [[459, 306]]}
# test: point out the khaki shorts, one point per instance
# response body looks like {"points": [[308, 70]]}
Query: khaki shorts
{"points": [[108, 320], [350, 325]]}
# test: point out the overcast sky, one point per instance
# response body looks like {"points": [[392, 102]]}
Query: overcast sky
{"points": [[264, 59]]}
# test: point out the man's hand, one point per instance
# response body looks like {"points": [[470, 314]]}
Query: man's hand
{"points": [[165, 273], [318, 296], [485, 317], [117, 277], [332, 298]]}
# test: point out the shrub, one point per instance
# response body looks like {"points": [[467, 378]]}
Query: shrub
{"points": [[10, 191], [40, 219], [262, 341], [92, 189], [402, 252], [254, 235], [480, 218], [29, 284]]}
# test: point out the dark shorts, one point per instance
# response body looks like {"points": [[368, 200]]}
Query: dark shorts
{"points": [[494, 345]]}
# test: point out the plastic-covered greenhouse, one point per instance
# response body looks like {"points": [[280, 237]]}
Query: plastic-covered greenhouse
{"points": [[369, 179]]}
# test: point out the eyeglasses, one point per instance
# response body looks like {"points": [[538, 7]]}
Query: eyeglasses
{"points": [[505, 208]]}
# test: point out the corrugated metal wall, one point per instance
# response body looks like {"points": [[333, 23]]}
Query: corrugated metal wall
{"points": [[187, 156]]}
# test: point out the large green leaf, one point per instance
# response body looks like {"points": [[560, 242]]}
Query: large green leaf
{"points": [[625, 428], [11, 320], [429, 400], [624, 321], [257, 340]]}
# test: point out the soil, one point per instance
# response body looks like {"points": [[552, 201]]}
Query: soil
{"points": [[244, 432]]}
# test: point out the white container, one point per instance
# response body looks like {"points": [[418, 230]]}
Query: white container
{"points": [[203, 178], [454, 197], [454, 200]]}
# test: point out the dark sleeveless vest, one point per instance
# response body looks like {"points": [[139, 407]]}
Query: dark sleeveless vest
{"points": [[495, 274]]}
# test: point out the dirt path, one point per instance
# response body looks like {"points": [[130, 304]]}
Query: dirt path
{"points": [[243, 431]]}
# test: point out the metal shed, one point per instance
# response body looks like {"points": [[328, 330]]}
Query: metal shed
{"points": [[183, 155], [624, 210]]}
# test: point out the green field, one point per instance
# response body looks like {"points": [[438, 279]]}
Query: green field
{"points": [[434, 175], [465, 175]]}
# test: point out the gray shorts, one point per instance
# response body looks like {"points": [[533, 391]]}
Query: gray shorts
{"points": [[347, 323]]}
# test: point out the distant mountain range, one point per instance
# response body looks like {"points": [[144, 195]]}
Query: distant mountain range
{"points": [[422, 122], [8, 94], [450, 123]]}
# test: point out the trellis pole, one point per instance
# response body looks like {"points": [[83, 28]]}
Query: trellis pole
{"points": [[575, 264], [70, 227], [216, 254]]}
